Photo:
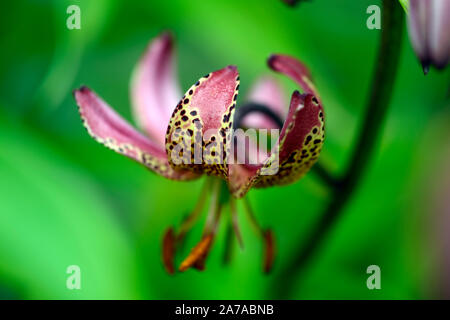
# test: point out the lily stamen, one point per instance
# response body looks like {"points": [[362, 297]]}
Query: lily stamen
{"points": [[169, 248], [214, 209], [252, 219], [172, 240], [235, 222], [266, 235], [189, 221], [197, 256]]}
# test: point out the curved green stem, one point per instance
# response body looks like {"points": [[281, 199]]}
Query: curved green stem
{"points": [[377, 105]]}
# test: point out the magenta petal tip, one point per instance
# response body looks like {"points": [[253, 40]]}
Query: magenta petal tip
{"points": [[270, 60], [166, 35], [82, 89]]}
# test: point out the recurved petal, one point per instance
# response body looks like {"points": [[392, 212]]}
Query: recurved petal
{"points": [[299, 145], [198, 137], [267, 92], [110, 129], [154, 88], [295, 70], [297, 149]]}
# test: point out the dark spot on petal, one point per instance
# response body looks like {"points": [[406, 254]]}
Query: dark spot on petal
{"points": [[308, 139]]}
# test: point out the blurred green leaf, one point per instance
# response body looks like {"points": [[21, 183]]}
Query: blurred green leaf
{"points": [[70, 47], [53, 216]]}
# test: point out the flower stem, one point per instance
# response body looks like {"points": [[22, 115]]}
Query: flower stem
{"points": [[377, 104], [189, 221]]}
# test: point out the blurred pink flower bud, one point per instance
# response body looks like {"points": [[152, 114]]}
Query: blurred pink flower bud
{"points": [[428, 26]]}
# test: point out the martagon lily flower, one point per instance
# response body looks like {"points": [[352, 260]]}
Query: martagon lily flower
{"points": [[208, 107]]}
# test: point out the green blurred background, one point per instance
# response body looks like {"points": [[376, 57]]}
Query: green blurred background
{"points": [[67, 200]]}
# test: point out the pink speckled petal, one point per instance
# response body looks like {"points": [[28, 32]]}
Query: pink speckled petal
{"points": [[110, 129], [295, 70], [297, 149], [154, 89], [205, 114], [300, 140]]}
